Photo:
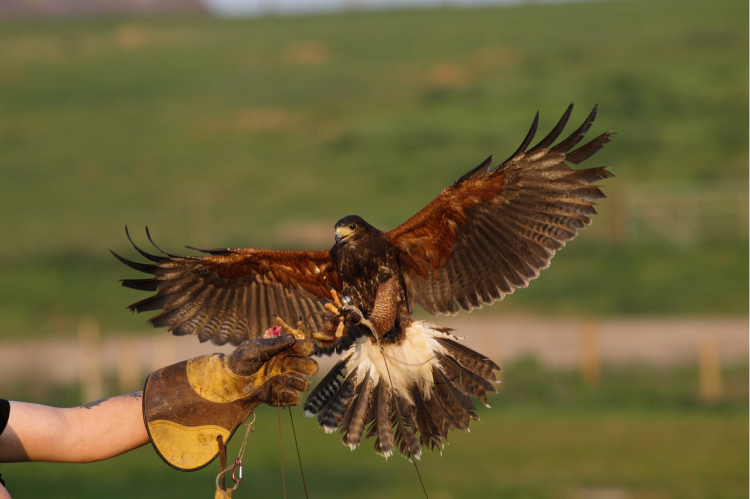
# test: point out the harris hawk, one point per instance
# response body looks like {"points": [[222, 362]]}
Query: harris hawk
{"points": [[490, 232]]}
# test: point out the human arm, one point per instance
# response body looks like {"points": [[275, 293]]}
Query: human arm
{"points": [[92, 432], [268, 371]]}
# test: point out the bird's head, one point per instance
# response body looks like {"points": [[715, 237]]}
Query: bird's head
{"points": [[351, 228]]}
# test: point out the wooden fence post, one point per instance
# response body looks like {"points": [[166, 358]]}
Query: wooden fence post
{"points": [[128, 365], [590, 360], [498, 355], [709, 365], [618, 215], [91, 372], [162, 351]]}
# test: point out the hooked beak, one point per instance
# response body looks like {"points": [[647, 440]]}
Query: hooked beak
{"points": [[342, 233]]}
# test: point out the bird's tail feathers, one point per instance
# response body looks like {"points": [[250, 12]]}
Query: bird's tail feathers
{"points": [[424, 391], [328, 399]]}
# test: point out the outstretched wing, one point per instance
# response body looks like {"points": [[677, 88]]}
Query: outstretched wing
{"points": [[493, 230], [233, 294]]}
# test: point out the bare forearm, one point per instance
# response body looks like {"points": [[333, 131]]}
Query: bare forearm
{"points": [[95, 431]]}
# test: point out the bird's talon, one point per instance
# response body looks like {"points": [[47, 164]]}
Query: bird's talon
{"points": [[335, 296], [340, 330], [298, 333], [332, 309], [323, 337]]}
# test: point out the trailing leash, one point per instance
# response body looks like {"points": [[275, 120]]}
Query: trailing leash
{"points": [[296, 445], [294, 432], [281, 446], [398, 414], [394, 359], [299, 458], [221, 488]]}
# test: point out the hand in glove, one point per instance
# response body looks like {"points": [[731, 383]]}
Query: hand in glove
{"points": [[187, 406]]}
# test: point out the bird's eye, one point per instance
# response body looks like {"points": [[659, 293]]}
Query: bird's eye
{"points": [[353, 226]]}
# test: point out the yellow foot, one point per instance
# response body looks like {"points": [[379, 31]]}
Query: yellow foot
{"points": [[335, 296], [340, 329], [298, 333], [333, 308], [323, 337]]}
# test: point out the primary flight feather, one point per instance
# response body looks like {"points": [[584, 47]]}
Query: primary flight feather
{"points": [[490, 232]]}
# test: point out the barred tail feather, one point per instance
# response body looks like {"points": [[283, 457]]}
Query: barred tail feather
{"points": [[326, 389], [406, 427], [430, 434], [422, 393], [455, 416], [384, 443], [356, 417], [330, 417], [471, 382], [469, 359]]}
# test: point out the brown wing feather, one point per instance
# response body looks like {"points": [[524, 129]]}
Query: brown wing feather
{"points": [[493, 230], [233, 294]]}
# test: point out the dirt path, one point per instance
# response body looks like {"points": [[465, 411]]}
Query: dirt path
{"points": [[558, 342], [554, 342]]}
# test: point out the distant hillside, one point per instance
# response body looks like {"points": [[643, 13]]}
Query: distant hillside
{"points": [[79, 8], [263, 132]]}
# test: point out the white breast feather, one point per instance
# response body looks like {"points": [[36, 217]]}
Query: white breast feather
{"points": [[410, 363]]}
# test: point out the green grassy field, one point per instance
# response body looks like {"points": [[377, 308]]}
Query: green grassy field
{"points": [[248, 132], [642, 433], [264, 132]]}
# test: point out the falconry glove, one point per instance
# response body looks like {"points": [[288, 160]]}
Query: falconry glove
{"points": [[188, 407]]}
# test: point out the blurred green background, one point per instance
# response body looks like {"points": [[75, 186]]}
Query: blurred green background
{"points": [[263, 132]]}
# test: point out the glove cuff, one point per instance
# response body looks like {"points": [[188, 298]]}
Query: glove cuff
{"points": [[182, 425]]}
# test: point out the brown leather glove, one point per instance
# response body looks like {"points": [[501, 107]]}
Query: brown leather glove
{"points": [[187, 406]]}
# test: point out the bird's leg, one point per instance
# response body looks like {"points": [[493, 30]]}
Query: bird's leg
{"points": [[300, 333], [384, 313], [348, 313]]}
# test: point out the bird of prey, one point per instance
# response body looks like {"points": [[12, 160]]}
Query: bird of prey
{"points": [[405, 382]]}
